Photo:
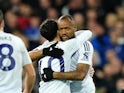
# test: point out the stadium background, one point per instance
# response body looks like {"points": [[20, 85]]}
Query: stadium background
{"points": [[105, 18]]}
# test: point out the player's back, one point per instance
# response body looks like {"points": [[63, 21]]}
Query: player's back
{"points": [[61, 64], [10, 63]]}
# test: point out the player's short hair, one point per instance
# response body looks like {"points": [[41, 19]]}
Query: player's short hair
{"points": [[48, 29], [69, 17], [1, 16]]}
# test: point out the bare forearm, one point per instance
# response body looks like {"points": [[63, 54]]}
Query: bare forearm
{"points": [[72, 75], [78, 74], [29, 78], [29, 83], [35, 54]]}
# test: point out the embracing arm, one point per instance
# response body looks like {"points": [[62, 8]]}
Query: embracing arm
{"points": [[78, 74], [35, 54], [83, 35]]}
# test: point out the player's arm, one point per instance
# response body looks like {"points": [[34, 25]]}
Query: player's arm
{"points": [[28, 68], [29, 78], [83, 36], [79, 32], [40, 51], [35, 54], [78, 74]]}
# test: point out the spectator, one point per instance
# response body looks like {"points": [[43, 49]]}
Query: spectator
{"points": [[52, 13], [73, 6], [80, 20], [11, 21], [42, 9], [25, 12], [110, 21], [120, 12], [32, 32]]}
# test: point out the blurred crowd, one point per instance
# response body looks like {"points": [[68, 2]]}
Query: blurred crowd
{"points": [[105, 18]]}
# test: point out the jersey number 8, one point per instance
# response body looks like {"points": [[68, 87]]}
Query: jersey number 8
{"points": [[4, 56]]}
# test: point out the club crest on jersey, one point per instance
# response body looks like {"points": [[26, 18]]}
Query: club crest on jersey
{"points": [[85, 56]]}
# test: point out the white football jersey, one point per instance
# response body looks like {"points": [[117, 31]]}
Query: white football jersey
{"points": [[60, 65], [83, 55], [13, 56]]}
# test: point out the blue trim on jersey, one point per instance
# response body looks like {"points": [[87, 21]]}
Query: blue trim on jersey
{"points": [[86, 46], [61, 60]]}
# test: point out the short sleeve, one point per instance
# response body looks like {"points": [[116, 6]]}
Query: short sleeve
{"points": [[43, 45], [25, 56], [86, 53]]}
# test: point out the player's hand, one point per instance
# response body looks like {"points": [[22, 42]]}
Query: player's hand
{"points": [[53, 51], [92, 72], [48, 74]]}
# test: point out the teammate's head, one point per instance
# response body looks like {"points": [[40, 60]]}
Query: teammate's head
{"points": [[1, 19], [67, 27], [48, 29]]}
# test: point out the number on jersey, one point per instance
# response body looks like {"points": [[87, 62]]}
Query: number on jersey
{"points": [[6, 56]]}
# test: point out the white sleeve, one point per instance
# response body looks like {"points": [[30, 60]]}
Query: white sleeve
{"points": [[79, 32], [73, 45], [25, 56], [83, 34], [86, 53], [43, 45], [40, 47]]}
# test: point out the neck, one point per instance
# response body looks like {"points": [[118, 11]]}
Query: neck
{"points": [[56, 39], [1, 29]]}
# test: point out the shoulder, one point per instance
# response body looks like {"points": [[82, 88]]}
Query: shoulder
{"points": [[90, 44], [87, 46], [12, 37], [17, 40]]}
